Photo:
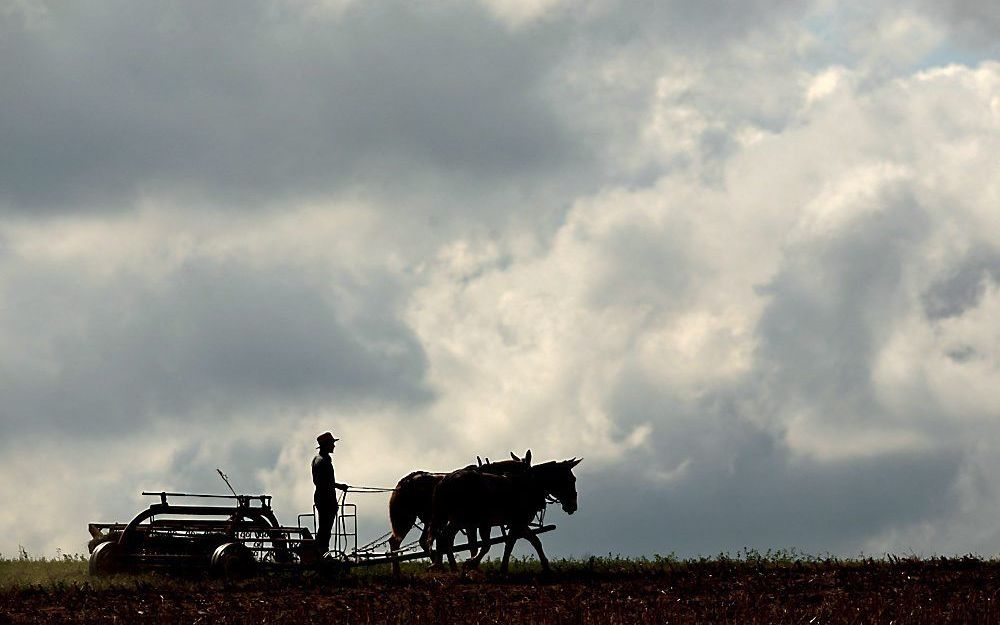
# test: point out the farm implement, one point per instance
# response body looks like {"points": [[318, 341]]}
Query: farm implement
{"points": [[239, 535]]}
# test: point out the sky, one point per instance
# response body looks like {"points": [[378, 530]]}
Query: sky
{"points": [[742, 256]]}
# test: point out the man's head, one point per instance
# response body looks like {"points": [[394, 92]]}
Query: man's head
{"points": [[326, 442]]}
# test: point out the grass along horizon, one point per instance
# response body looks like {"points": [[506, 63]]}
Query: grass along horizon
{"points": [[25, 571]]}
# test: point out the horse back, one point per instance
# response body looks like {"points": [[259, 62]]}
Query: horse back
{"points": [[411, 499], [471, 497], [505, 467]]}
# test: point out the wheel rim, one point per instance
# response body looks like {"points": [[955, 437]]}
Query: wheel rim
{"points": [[105, 559], [233, 561]]}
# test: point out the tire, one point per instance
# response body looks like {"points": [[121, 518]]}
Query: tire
{"points": [[233, 561], [105, 560]]}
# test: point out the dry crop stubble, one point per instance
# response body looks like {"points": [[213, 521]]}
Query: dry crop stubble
{"points": [[746, 589]]}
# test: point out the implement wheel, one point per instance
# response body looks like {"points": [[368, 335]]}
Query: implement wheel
{"points": [[233, 561], [105, 560]]}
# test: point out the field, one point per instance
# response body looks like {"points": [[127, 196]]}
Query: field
{"points": [[751, 588]]}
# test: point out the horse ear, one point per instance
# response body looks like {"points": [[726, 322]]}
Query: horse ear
{"points": [[574, 462], [479, 461], [516, 459], [527, 457]]}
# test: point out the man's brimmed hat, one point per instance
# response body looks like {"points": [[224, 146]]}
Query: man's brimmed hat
{"points": [[326, 437]]}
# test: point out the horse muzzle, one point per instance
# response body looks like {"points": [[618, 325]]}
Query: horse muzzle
{"points": [[569, 508]]}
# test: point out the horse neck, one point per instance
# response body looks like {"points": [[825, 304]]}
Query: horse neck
{"points": [[504, 467], [541, 478]]}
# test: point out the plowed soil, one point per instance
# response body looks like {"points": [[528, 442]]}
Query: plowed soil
{"points": [[898, 591]]}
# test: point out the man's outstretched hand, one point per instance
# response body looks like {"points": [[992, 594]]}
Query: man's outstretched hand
{"points": [[342, 487]]}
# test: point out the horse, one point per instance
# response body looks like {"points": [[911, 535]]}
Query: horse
{"points": [[473, 499], [412, 497]]}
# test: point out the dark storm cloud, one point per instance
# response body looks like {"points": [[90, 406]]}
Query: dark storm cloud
{"points": [[756, 497], [243, 102], [964, 285], [975, 22], [212, 337], [701, 25], [192, 468], [710, 479]]}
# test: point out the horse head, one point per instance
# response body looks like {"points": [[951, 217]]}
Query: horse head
{"points": [[561, 483]]}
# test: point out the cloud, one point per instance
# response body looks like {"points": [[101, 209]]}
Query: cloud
{"points": [[244, 103], [965, 287], [205, 334], [742, 259], [737, 343], [976, 24], [758, 499]]}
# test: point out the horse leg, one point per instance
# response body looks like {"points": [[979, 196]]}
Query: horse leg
{"points": [[532, 538], [477, 555], [396, 540], [427, 539], [473, 545], [484, 535], [446, 543], [394, 544], [508, 547]]}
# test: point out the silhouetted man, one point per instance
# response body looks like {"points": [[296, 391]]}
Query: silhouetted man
{"points": [[325, 496]]}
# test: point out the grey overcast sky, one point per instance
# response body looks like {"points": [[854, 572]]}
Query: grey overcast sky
{"points": [[742, 256]]}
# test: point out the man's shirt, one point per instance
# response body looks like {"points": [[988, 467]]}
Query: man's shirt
{"points": [[323, 477]]}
